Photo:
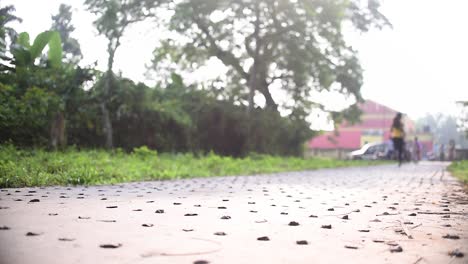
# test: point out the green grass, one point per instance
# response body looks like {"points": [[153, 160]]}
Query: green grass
{"points": [[459, 169], [21, 168]]}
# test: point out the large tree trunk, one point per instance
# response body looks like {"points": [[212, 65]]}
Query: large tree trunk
{"points": [[106, 120], [258, 81], [107, 126], [251, 84], [57, 131], [269, 102]]}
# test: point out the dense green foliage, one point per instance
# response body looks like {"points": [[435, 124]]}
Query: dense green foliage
{"points": [[459, 169], [23, 117], [19, 168], [180, 119], [48, 99]]}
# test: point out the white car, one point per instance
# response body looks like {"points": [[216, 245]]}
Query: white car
{"points": [[370, 151]]}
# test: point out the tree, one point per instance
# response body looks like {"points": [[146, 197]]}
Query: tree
{"points": [[443, 127], [61, 22], [32, 103], [296, 46], [462, 121], [7, 34], [113, 18], [60, 83]]}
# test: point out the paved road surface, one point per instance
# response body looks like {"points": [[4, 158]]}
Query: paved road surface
{"points": [[383, 214]]}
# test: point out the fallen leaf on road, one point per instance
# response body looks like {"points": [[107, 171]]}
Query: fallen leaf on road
{"points": [[302, 242], [448, 236], [110, 245]]}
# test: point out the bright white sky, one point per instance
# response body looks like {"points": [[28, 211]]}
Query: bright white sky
{"points": [[418, 67]]}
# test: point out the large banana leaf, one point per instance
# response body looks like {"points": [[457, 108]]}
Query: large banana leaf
{"points": [[22, 55], [26, 54], [39, 44], [55, 49]]}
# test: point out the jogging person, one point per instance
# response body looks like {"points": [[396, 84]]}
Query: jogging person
{"points": [[398, 134]]}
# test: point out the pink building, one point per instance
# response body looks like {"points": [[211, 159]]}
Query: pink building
{"points": [[376, 120]]}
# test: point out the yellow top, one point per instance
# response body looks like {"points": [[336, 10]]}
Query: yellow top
{"points": [[396, 132]]}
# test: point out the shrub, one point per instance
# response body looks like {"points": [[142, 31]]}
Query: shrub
{"points": [[145, 152]]}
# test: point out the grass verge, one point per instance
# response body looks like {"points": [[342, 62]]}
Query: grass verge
{"points": [[459, 169], [22, 168]]}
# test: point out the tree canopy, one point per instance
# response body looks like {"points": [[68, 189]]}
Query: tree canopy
{"points": [[113, 18], [61, 22], [7, 34], [295, 47]]}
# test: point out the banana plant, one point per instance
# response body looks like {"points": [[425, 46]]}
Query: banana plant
{"points": [[26, 54]]}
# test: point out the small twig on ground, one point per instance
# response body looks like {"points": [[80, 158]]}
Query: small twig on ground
{"points": [[405, 230], [418, 260], [413, 227], [443, 213]]}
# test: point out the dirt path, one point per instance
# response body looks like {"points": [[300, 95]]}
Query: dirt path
{"points": [[384, 214]]}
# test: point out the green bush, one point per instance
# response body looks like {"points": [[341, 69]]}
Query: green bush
{"points": [[460, 170], [145, 152], [25, 118], [170, 119]]}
